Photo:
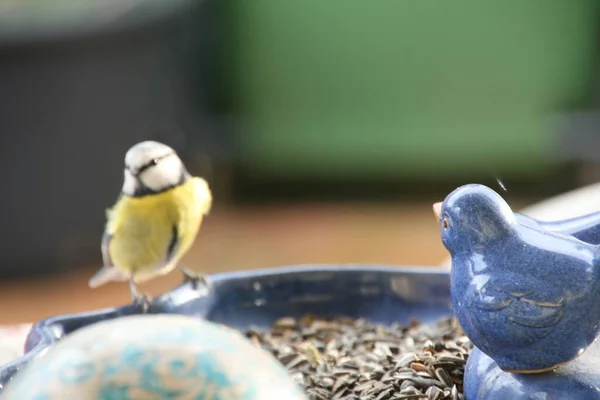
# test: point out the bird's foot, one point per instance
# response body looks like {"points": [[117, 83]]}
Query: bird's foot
{"points": [[143, 300], [194, 278]]}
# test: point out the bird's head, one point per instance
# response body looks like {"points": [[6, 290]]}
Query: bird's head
{"points": [[152, 167], [471, 217]]}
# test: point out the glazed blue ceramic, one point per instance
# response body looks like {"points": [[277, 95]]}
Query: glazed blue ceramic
{"points": [[579, 379], [585, 228], [525, 296], [240, 299]]}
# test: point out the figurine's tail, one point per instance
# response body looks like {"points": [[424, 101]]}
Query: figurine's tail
{"points": [[596, 256], [596, 264]]}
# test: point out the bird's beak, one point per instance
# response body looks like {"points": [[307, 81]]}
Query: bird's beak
{"points": [[437, 210], [132, 171]]}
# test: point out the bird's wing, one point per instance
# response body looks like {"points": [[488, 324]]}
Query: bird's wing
{"points": [[108, 272], [106, 238], [531, 313], [173, 244], [180, 222]]}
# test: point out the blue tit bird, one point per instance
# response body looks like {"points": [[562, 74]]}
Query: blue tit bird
{"points": [[524, 295], [155, 219]]}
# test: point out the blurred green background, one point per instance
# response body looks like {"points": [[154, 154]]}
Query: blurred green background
{"points": [[339, 90]]}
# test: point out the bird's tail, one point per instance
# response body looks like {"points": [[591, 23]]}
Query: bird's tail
{"points": [[105, 275]]}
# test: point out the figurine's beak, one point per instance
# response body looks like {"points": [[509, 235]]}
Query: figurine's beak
{"points": [[437, 210]]}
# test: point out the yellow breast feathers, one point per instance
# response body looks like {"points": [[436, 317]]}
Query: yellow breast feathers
{"points": [[148, 235]]}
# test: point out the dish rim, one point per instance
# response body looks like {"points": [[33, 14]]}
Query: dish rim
{"points": [[46, 332]]}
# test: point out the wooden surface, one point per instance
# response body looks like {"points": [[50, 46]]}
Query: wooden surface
{"points": [[249, 238]]}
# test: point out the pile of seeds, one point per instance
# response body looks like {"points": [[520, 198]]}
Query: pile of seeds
{"points": [[352, 359]]}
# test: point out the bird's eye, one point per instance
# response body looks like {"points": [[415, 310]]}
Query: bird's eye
{"points": [[446, 223], [155, 161]]}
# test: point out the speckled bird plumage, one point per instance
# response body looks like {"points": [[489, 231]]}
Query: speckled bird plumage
{"points": [[156, 218], [525, 296]]}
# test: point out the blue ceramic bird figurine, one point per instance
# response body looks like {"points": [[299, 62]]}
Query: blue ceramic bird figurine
{"points": [[526, 296]]}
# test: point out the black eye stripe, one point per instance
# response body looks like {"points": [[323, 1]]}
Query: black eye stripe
{"points": [[152, 163], [148, 165]]}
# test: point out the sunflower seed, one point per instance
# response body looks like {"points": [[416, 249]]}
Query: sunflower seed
{"points": [[353, 359]]}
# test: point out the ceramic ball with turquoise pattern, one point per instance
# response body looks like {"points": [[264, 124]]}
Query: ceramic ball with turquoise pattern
{"points": [[154, 357]]}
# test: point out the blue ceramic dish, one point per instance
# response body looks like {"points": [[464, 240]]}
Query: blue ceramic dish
{"points": [[239, 299], [379, 293]]}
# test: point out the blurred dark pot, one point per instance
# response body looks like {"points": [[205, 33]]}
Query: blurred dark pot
{"points": [[76, 90]]}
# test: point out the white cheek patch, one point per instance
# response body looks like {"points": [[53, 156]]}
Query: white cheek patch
{"points": [[167, 173]]}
